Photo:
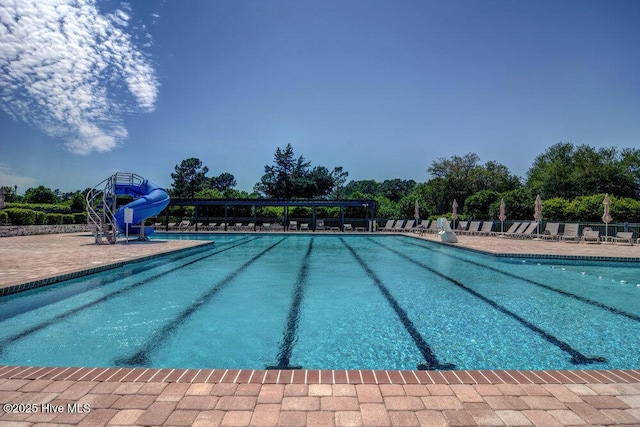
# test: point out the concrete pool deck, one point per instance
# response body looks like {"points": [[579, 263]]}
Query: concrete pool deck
{"points": [[326, 398]]}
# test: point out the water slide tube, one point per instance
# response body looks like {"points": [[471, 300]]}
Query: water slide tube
{"points": [[150, 200]]}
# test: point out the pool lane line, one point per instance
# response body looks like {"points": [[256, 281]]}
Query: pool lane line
{"points": [[542, 285], [293, 317], [577, 358], [62, 316], [141, 357], [135, 268], [430, 359]]}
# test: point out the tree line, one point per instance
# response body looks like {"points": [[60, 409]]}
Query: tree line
{"points": [[571, 179]]}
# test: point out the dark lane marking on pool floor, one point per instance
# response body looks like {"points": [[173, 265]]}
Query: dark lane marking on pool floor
{"points": [[71, 291], [62, 316], [430, 359], [577, 358], [293, 317], [533, 282], [141, 357]]}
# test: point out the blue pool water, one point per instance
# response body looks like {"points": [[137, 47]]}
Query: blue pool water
{"points": [[332, 302]]}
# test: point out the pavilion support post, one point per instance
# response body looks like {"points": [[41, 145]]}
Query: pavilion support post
{"points": [[255, 215], [166, 225], [341, 218], [225, 217], [313, 218], [196, 228]]}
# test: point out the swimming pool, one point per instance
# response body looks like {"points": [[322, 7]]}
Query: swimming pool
{"points": [[331, 302]]}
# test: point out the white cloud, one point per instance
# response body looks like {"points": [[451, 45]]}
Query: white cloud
{"points": [[63, 67]]}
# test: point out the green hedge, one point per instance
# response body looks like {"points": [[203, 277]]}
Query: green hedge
{"points": [[54, 219], [79, 218], [42, 207], [18, 216]]}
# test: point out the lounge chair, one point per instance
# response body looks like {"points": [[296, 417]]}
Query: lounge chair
{"points": [[347, 227], [320, 225], [433, 227], [474, 227], [398, 225], [248, 227], [388, 226], [220, 226], [304, 226], [487, 226], [184, 225], [512, 229], [624, 237], [266, 226], [530, 230], [551, 231], [462, 226], [525, 230], [408, 225], [422, 227], [590, 236], [293, 225], [570, 233]]}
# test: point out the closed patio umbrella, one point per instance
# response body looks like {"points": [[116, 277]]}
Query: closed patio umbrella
{"points": [[416, 211], [502, 216], [454, 212], [537, 215], [606, 217]]}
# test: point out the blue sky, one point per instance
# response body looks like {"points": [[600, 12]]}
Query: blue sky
{"points": [[382, 88]]}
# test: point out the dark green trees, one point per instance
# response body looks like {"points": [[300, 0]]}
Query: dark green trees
{"points": [[567, 171], [190, 178], [290, 177]]}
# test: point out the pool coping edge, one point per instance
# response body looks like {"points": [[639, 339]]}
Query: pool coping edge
{"points": [[33, 284], [310, 376]]}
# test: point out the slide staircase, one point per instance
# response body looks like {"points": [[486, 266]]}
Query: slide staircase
{"points": [[101, 210]]}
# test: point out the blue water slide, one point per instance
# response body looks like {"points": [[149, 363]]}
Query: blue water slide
{"points": [[150, 200]]}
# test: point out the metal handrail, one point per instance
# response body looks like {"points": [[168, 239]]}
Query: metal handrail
{"points": [[101, 205]]}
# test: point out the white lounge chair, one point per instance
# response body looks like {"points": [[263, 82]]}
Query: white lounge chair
{"points": [[388, 226], [487, 226], [624, 237], [422, 227], [293, 225], [570, 233], [525, 230], [551, 231], [590, 236], [408, 225], [398, 225], [474, 227]]}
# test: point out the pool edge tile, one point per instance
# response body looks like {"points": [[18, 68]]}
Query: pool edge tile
{"points": [[354, 377]]}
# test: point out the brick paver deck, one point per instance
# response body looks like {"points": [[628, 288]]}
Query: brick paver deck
{"points": [[114, 396]]}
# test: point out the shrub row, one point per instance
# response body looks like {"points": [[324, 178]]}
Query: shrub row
{"points": [[19, 216], [42, 207]]}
